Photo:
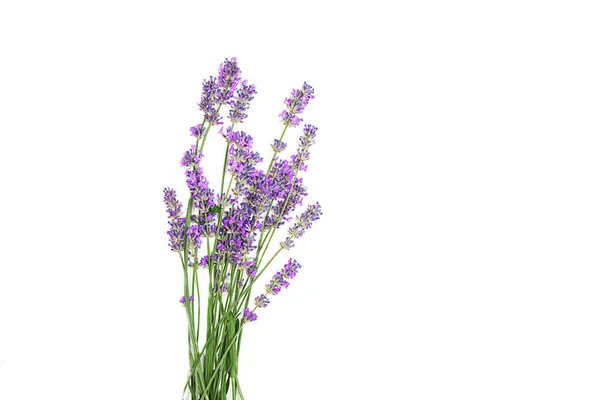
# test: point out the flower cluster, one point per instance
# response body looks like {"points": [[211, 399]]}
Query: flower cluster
{"points": [[241, 102], [279, 280], [242, 161], [261, 301], [176, 222], [306, 141], [191, 158], [173, 205], [236, 234], [229, 78], [249, 316], [211, 96], [303, 223], [296, 103], [278, 146], [203, 196], [182, 300], [197, 131]]}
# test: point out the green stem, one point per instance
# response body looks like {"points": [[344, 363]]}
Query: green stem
{"points": [[223, 358]]}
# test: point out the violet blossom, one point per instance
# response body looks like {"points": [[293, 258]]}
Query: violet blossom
{"points": [[295, 104], [241, 102]]}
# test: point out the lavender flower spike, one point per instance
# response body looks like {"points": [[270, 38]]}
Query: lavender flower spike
{"points": [[261, 301], [211, 95], [296, 103], [197, 131], [176, 234], [229, 78], [173, 205], [279, 280], [176, 222], [240, 104], [303, 223], [306, 141]]}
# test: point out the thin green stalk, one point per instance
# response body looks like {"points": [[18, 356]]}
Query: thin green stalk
{"points": [[187, 308], [214, 312], [239, 388], [198, 360], [223, 358], [224, 170]]}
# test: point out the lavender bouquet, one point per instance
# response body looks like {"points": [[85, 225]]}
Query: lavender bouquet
{"points": [[226, 235]]}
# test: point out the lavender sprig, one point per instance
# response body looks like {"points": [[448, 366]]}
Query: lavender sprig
{"points": [[211, 96], [296, 103], [303, 223], [279, 281], [240, 104], [229, 78]]}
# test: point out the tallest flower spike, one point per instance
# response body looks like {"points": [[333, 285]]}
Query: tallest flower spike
{"points": [[219, 90], [230, 76]]}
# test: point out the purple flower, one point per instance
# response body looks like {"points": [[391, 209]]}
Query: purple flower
{"points": [[249, 316], [176, 234], [278, 146], [292, 198], [224, 287], [211, 94], [261, 301], [182, 300], [194, 234], [306, 141], [240, 104], [240, 138], [308, 136], [197, 131], [290, 119], [229, 78], [191, 158], [296, 103], [203, 196], [281, 177], [241, 160], [303, 223], [251, 270], [173, 205], [290, 269], [277, 282], [203, 261], [287, 244], [237, 234]]}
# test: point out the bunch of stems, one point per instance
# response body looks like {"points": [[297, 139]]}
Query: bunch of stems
{"points": [[214, 367]]}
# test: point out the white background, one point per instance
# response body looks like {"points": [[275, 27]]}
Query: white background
{"points": [[456, 162]]}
